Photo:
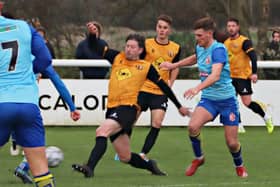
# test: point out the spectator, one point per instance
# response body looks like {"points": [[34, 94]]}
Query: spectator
{"points": [[272, 52], [42, 32], [87, 50]]}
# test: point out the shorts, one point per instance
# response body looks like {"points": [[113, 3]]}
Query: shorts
{"points": [[125, 115], [227, 108], [242, 86], [152, 101], [24, 119]]}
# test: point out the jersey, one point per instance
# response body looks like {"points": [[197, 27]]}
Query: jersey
{"points": [[126, 79], [156, 54], [240, 66], [17, 44], [221, 89]]}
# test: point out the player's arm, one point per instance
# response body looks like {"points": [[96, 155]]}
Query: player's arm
{"points": [[188, 61], [249, 50], [155, 77], [110, 54], [39, 49], [174, 73], [219, 57], [62, 90]]}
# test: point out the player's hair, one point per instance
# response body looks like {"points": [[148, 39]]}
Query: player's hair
{"points": [[138, 38], [165, 18], [206, 23], [233, 20]]}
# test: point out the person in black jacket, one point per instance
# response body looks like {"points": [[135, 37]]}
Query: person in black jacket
{"points": [[87, 50]]}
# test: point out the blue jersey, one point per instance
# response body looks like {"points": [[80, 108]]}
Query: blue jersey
{"points": [[18, 42], [216, 53]]}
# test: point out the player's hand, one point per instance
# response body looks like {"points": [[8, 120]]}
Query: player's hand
{"points": [[75, 115], [190, 93], [167, 66], [254, 78], [184, 111]]}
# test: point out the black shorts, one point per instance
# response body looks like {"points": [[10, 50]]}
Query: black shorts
{"points": [[242, 86], [125, 115], [148, 100]]}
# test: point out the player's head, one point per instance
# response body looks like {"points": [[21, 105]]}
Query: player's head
{"points": [[203, 31], [276, 36], [134, 46], [163, 26], [1, 6], [233, 27], [94, 28]]}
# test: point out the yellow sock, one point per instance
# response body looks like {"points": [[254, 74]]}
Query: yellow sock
{"points": [[46, 180]]}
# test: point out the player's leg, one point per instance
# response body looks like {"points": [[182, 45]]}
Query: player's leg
{"points": [[231, 136], [158, 106], [203, 113], [229, 116], [258, 108], [30, 123], [122, 147], [107, 128]]}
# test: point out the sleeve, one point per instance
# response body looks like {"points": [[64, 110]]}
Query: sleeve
{"points": [[40, 51], [177, 57], [60, 87], [219, 55], [110, 54], [248, 48], [155, 77]]}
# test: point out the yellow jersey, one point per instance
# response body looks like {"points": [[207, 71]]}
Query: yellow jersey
{"points": [[156, 54], [240, 66], [126, 79]]}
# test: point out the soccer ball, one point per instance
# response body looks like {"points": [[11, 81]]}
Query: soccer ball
{"points": [[54, 155]]}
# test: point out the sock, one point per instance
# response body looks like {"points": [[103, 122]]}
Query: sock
{"points": [[97, 152], [45, 180], [196, 145], [24, 165], [237, 158], [150, 140], [256, 108]]}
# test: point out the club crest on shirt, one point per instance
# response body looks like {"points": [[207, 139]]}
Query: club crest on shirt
{"points": [[139, 67], [207, 61], [232, 116], [157, 62], [123, 74]]}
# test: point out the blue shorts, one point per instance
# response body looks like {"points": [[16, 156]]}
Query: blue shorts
{"points": [[24, 119], [227, 108]]}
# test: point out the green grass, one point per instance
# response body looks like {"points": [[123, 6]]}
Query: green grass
{"points": [[173, 153]]}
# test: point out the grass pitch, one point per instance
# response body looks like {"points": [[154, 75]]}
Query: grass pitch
{"points": [[173, 153]]}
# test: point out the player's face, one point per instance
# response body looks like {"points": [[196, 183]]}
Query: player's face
{"points": [[232, 28], [132, 50], [203, 37], [163, 29]]}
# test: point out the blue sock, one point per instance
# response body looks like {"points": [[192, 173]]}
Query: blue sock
{"points": [[237, 158], [196, 145], [24, 165]]}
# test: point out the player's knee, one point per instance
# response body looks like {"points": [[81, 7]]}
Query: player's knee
{"points": [[101, 131], [157, 123], [233, 145], [193, 130]]}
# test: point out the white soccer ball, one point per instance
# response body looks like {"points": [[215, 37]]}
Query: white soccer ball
{"points": [[54, 155]]}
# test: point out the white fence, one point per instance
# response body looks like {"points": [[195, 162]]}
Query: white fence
{"points": [[90, 97]]}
